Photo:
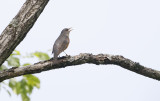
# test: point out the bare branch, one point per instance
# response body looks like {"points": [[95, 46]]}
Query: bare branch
{"points": [[101, 59], [18, 28]]}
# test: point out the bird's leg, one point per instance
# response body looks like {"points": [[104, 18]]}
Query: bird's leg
{"points": [[66, 54]]}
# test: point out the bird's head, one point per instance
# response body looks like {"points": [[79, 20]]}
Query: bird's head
{"points": [[66, 31]]}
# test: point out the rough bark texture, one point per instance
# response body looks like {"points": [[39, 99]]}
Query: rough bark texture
{"points": [[101, 59], [17, 29]]}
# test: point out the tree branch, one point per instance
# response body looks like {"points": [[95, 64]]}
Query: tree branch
{"points": [[18, 28], [100, 59]]}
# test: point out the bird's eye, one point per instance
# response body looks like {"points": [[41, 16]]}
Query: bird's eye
{"points": [[66, 29]]}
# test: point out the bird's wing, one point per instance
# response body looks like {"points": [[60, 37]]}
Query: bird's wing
{"points": [[56, 46], [60, 45], [64, 44]]}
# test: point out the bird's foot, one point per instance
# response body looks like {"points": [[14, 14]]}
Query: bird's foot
{"points": [[68, 56], [65, 53]]}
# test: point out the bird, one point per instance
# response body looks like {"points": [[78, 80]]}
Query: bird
{"points": [[61, 42]]}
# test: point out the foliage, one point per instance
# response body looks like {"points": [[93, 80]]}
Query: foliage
{"points": [[41, 56], [27, 83]]}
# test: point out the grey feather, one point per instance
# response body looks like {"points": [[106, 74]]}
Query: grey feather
{"points": [[61, 43]]}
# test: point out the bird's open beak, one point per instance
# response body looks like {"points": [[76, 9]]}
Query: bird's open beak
{"points": [[70, 29]]}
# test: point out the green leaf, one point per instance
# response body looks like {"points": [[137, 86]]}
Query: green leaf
{"points": [[3, 67], [13, 61], [21, 88], [15, 52], [41, 55], [32, 80], [13, 85], [25, 97], [26, 64], [25, 85], [16, 86]]}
